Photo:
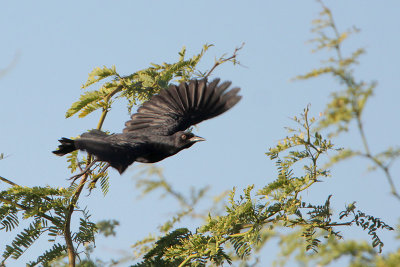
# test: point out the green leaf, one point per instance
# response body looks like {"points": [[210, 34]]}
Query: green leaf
{"points": [[85, 99], [98, 74]]}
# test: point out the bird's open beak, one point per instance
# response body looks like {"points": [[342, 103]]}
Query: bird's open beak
{"points": [[197, 139]]}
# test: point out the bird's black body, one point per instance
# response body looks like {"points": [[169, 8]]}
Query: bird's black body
{"points": [[156, 131]]}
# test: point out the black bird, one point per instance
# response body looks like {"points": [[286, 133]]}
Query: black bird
{"points": [[157, 130]]}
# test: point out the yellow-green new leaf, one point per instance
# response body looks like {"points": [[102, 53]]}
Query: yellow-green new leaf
{"points": [[98, 74], [85, 99]]}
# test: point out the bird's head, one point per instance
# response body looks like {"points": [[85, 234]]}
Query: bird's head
{"points": [[186, 139]]}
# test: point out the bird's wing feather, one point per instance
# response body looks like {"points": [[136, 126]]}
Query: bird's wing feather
{"points": [[179, 107]]}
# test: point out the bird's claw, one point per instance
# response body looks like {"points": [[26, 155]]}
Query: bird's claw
{"points": [[85, 171], [75, 177]]}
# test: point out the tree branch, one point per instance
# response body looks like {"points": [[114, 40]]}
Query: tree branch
{"points": [[8, 181], [223, 60], [188, 259], [351, 83], [67, 228]]}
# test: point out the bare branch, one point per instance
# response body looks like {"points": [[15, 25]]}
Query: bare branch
{"points": [[223, 60]]}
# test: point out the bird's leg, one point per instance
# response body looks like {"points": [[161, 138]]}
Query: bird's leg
{"points": [[73, 178], [94, 181]]}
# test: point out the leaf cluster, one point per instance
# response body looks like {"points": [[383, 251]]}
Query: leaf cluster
{"points": [[368, 223], [347, 105], [46, 208], [136, 87], [346, 109], [278, 205]]}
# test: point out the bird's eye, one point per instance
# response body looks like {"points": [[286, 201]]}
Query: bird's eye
{"points": [[183, 137]]}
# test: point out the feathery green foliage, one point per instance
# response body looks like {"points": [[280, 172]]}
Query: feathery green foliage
{"points": [[55, 252], [107, 227], [232, 231], [8, 217], [45, 206], [23, 240], [138, 86], [277, 205], [348, 104]]}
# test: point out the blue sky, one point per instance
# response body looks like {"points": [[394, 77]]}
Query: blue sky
{"points": [[55, 45]]}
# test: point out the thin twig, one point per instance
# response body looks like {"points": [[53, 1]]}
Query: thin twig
{"points": [[387, 173], [222, 60], [8, 181], [11, 65]]}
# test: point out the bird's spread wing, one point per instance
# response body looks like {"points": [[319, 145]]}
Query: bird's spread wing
{"points": [[178, 107]]}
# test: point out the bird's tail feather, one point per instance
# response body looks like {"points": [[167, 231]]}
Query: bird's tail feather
{"points": [[67, 146]]}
